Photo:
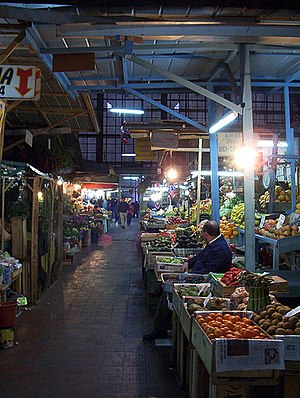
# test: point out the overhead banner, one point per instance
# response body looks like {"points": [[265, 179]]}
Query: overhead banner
{"points": [[20, 82], [143, 150], [228, 142]]}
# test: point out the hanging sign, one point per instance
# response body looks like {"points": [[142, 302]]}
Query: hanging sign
{"points": [[29, 138], [228, 142], [20, 82], [143, 150]]}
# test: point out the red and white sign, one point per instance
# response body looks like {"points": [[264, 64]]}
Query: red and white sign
{"points": [[20, 82]]}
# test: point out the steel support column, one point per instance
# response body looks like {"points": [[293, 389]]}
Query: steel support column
{"points": [[289, 133], [213, 142], [249, 168]]}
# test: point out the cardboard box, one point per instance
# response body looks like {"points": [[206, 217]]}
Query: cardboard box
{"points": [[227, 355], [291, 347]]}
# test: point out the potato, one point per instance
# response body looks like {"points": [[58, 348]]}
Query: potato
{"points": [[270, 311], [271, 330], [275, 322], [280, 331], [257, 318], [293, 319], [266, 325], [263, 314], [288, 325]]}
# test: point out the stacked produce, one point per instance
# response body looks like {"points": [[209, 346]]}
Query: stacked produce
{"points": [[196, 290], [270, 230], [198, 304], [205, 207], [187, 238], [229, 326], [175, 220], [240, 297], [171, 260], [280, 196], [228, 229], [228, 205], [258, 286], [238, 214], [274, 321], [162, 244], [230, 278], [170, 279]]}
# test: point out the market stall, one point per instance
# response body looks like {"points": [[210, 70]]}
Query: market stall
{"points": [[32, 208]]}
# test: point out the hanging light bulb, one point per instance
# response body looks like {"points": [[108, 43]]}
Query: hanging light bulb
{"points": [[171, 174]]}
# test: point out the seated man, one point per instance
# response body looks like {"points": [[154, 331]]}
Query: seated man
{"points": [[216, 257]]}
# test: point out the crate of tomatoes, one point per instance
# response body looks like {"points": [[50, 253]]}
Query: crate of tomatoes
{"points": [[231, 341]]}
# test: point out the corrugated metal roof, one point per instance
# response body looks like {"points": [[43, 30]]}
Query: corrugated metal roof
{"points": [[192, 42]]}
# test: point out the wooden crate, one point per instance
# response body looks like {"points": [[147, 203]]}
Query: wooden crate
{"points": [[185, 320], [19, 237], [290, 379], [151, 258], [176, 302], [279, 285]]}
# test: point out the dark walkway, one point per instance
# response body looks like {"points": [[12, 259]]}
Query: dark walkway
{"points": [[84, 338]]}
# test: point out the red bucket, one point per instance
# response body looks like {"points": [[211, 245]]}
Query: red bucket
{"points": [[8, 312]]}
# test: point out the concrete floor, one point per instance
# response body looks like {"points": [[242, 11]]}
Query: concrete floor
{"points": [[84, 338]]}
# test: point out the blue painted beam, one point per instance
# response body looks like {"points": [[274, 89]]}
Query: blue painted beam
{"points": [[141, 86], [166, 109], [35, 40]]}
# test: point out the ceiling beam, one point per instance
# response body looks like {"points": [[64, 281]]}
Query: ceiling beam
{"points": [[168, 110], [284, 34], [91, 111], [35, 40], [157, 148], [12, 46], [55, 111], [43, 131], [294, 76], [185, 83], [256, 49]]}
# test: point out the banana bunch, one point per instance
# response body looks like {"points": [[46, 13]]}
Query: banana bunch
{"points": [[238, 213], [264, 199], [258, 217]]}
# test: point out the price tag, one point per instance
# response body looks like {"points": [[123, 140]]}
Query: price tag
{"points": [[262, 221], [293, 312], [280, 221], [207, 300]]}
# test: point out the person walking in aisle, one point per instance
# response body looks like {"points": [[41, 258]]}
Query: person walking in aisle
{"points": [[130, 213], [136, 209], [113, 208], [123, 208]]}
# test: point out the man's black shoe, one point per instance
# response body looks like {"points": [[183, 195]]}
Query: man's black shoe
{"points": [[158, 291], [155, 335]]}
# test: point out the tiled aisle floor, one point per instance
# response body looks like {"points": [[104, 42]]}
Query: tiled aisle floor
{"points": [[84, 338]]}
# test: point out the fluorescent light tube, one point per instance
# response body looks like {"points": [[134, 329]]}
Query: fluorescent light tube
{"points": [[128, 155], [128, 111], [223, 122], [270, 144]]}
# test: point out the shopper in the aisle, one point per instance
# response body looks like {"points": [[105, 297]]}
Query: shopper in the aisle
{"points": [[130, 213], [123, 208], [216, 257]]}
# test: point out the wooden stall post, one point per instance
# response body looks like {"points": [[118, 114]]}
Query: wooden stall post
{"points": [[34, 241], [50, 234], [60, 228], [2, 125]]}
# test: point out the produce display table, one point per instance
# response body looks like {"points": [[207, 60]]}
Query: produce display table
{"points": [[280, 246], [15, 278]]}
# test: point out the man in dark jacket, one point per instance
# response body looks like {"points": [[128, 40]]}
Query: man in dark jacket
{"points": [[216, 257], [123, 209]]}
